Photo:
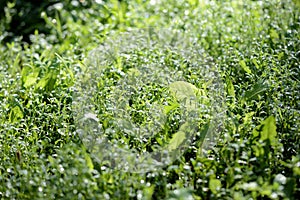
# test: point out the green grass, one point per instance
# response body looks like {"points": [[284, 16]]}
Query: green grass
{"points": [[253, 48]]}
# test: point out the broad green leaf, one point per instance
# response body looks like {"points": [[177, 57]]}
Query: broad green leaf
{"points": [[176, 140], [245, 67], [171, 107], [89, 161], [148, 192], [51, 160], [179, 137], [182, 89], [185, 92], [48, 82], [258, 88], [43, 82], [214, 185], [15, 114], [267, 130], [31, 79]]}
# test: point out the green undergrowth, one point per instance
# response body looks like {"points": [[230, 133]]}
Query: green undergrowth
{"points": [[254, 45]]}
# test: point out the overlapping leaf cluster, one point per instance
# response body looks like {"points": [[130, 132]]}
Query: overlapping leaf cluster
{"points": [[254, 45]]}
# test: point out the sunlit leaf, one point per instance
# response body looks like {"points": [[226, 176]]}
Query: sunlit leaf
{"points": [[47, 82], [245, 67], [185, 92], [16, 114], [89, 161], [267, 130], [169, 108], [230, 87], [31, 79], [214, 185], [176, 140]]}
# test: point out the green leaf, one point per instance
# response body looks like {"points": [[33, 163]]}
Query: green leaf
{"points": [[214, 185], [266, 130], [148, 192], [258, 88], [43, 82], [89, 161], [230, 87], [176, 140], [182, 89], [31, 79], [17, 61], [203, 134], [179, 137], [245, 67], [15, 114], [185, 92], [51, 160], [48, 82], [172, 106], [274, 35], [255, 63]]}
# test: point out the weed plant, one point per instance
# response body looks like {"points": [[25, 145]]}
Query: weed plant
{"points": [[254, 47]]}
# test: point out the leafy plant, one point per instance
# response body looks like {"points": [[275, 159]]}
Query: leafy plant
{"points": [[251, 48]]}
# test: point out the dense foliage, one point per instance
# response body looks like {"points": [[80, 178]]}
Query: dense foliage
{"points": [[253, 44]]}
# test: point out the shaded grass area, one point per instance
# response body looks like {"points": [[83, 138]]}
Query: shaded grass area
{"points": [[254, 45]]}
